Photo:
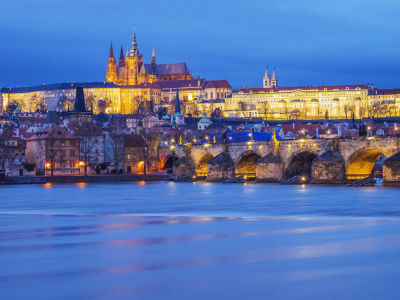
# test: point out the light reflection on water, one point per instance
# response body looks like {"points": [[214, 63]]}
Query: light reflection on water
{"points": [[199, 241], [203, 199]]}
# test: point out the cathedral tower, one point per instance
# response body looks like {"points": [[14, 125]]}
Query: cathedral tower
{"points": [[111, 75], [267, 80], [134, 61], [274, 81]]}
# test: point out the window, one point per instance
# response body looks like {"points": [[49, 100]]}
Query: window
{"points": [[72, 153], [62, 153], [72, 143], [72, 164], [62, 143]]}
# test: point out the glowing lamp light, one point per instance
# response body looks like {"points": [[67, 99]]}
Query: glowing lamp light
{"points": [[172, 140], [302, 141], [47, 165], [206, 145], [396, 128], [194, 176], [165, 142], [172, 147], [141, 163], [303, 178], [369, 128], [81, 163], [245, 177]]}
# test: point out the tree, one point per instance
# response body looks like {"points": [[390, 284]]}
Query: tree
{"points": [[296, 113], [346, 109], [12, 105], [89, 144], [115, 146], [211, 107], [195, 110], [392, 109], [264, 106], [242, 107], [4, 154], [65, 104], [183, 107], [138, 105], [90, 102], [37, 103], [50, 148], [104, 104], [217, 113]]}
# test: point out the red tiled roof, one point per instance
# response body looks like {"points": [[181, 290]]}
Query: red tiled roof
{"points": [[55, 132], [218, 84]]}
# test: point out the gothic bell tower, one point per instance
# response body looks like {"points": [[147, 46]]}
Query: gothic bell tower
{"points": [[111, 75]]}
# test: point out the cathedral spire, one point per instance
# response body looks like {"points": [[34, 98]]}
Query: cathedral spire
{"points": [[153, 57], [267, 74], [274, 81], [121, 62], [134, 51], [274, 75], [111, 51]]}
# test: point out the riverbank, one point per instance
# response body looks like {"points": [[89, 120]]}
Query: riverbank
{"points": [[85, 179]]}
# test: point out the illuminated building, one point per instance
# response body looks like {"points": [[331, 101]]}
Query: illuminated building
{"points": [[131, 69], [306, 102]]}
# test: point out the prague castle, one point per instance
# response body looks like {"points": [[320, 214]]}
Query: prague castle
{"points": [[131, 70]]}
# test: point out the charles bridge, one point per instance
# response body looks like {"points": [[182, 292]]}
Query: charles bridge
{"points": [[315, 160]]}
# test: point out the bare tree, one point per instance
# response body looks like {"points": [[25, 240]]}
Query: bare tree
{"points": [[65, 104], [89, 144], [115, 146], [346, 109], [4, 154], [50, 149], [242, 107], [195, 110], [264, 108], [90, 102]]}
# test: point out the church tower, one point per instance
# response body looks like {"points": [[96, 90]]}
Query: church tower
{"points": [[267, 79], [274, 81], [111, 75], [134, 61]]}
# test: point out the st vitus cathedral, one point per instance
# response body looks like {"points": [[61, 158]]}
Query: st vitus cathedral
{"points": [[132, 71]]}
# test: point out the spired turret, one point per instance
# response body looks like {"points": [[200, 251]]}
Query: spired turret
{"points": [[111, 75]]}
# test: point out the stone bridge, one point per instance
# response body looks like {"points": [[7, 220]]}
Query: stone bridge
{"points": [[319, 160]]}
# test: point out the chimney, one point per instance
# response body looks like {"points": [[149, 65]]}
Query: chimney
{"points": [[339, 131]]}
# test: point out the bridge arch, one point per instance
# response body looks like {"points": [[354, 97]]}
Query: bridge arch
{"points": [[201, 169], [361, 163], [300, 163], [246, 163], [167, 163]]}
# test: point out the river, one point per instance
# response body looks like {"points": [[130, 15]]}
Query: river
{"points": [[165, 240]]}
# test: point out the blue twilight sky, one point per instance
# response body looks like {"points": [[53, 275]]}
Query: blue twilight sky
{"points": [[310, 42]]}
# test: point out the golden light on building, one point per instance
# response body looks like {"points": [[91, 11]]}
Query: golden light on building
{"points": [[81, 163]]}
